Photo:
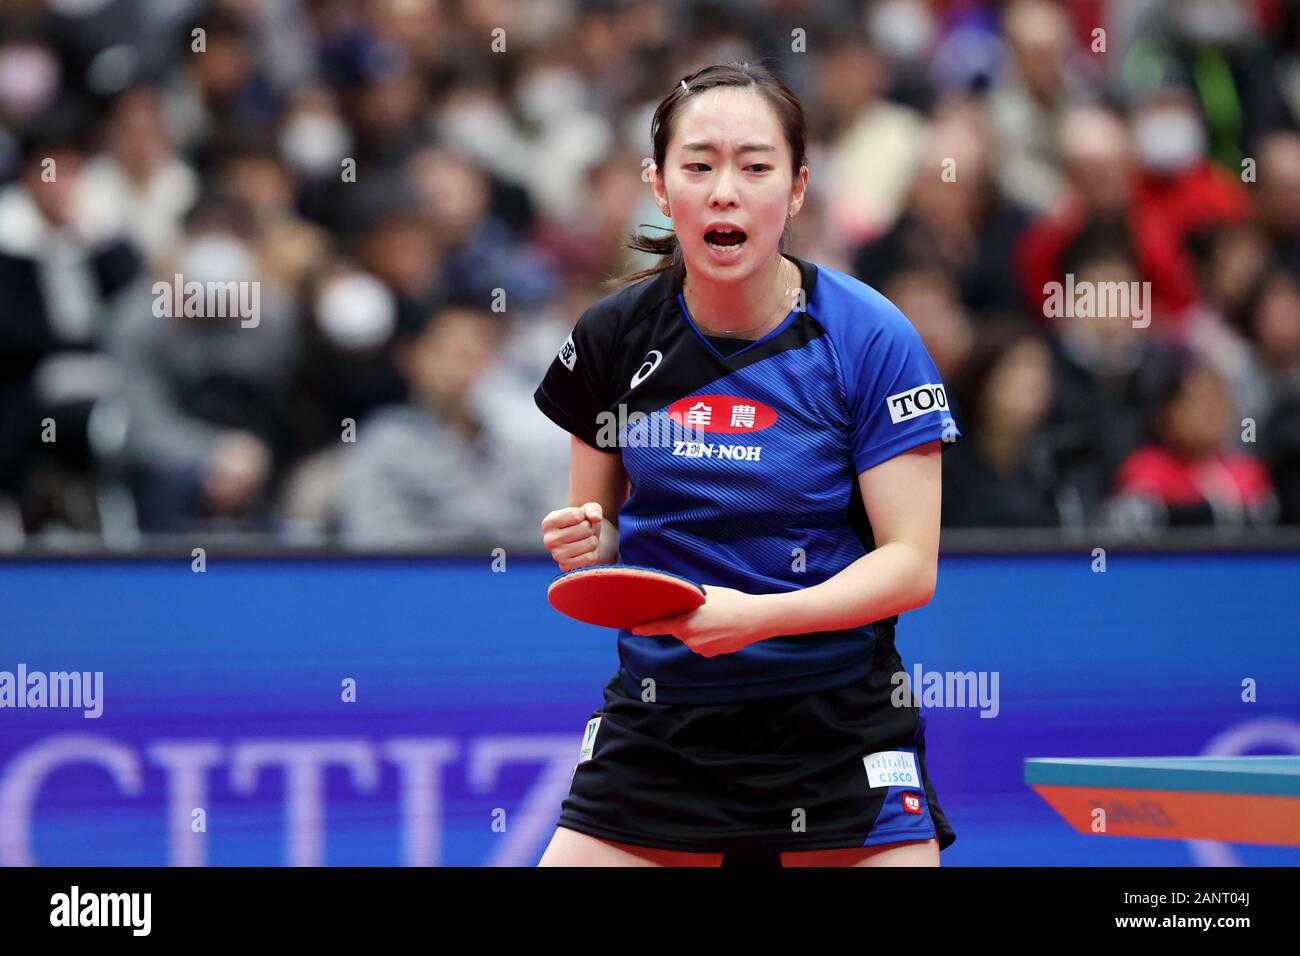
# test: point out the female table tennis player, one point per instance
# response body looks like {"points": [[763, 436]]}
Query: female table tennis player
{"points": [[802, 489]]}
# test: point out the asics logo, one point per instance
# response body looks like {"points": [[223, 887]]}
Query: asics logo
{"points": [[648, 366]]}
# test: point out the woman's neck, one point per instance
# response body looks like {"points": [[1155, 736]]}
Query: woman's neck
{"points": [[749, 310]]}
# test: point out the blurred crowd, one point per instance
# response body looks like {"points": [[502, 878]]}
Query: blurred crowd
{"points": [[428, 193]]}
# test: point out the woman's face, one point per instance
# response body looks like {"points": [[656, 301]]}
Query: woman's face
{"points": [[1277, 321], [451, 354], [728, 161], [1194, 422], [1018, 394]]}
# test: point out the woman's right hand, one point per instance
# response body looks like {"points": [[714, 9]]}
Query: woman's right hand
{"points": [[573, 536]]}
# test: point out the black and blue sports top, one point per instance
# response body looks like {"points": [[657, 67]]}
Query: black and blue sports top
{"points": [[744, 466]]}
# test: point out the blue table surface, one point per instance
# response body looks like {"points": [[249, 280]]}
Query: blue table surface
{"points": [[1272, 775]]}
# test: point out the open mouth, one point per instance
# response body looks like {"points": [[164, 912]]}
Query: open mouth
{"points": [[725, 238]]}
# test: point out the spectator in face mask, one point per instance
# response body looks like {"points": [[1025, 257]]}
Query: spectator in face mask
{"points": [[1215, 48], [437, 472], [314, 141], [1177, 184], [208, 352], [1101, 168]]}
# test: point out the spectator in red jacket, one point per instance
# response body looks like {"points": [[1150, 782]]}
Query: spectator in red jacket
{"points": [[1177, 184], [1100, 167], [1186, 476]]}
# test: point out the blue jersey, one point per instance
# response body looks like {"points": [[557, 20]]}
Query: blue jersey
{"points": [[744, 466]]}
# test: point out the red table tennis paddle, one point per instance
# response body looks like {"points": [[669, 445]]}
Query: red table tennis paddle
{"points": [[622, 595]]}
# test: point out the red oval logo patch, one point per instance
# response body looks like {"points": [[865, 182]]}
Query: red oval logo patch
{"points": [[724, 414]]}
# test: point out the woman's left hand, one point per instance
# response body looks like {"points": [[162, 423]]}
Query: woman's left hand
{"points": [[727, 621]]}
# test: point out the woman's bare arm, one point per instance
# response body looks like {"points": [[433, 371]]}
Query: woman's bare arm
{"points": [[598, 476], [902, 498], [586, 532]]}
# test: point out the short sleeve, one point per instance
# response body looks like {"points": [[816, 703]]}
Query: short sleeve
{"points": [[896, 398], [575, 391]]}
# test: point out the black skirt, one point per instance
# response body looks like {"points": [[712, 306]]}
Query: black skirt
{"points": [[837, 768]]}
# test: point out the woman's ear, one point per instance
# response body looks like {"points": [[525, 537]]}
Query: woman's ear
{"points": [[800, 192], [656, 184]]}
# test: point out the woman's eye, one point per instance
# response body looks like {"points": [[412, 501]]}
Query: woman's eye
{"points": [[703, 167]]}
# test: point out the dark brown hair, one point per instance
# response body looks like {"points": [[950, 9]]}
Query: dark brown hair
{"points": [[739, 75], [996, 339]]}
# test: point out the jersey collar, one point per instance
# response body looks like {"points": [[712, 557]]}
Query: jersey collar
{"points": [[808, 279]]}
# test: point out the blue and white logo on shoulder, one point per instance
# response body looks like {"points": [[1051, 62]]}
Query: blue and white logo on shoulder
{"points": [[652, 360], [892, 768]]}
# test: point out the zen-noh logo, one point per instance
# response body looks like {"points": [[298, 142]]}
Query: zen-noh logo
{"points": [[724, 414]]}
